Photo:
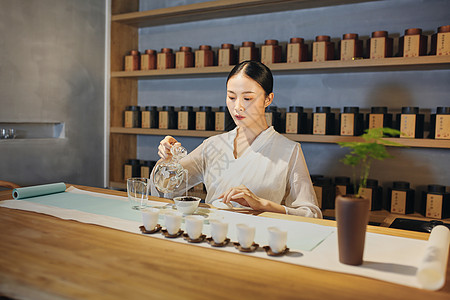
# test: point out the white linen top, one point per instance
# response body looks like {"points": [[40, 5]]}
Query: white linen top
{"points": [[273, 168]]}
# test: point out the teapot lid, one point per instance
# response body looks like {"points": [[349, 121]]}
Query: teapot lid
{"points": [[178, 152]]}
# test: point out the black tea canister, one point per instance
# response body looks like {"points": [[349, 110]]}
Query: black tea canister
{"points": [[204, 118], [150, 117], [435, 202], [186, 118], [296, 120], [132, 117], [400, 198], [351, 122], [167, 118], [440, 124], [223, 120], [323, 121]]}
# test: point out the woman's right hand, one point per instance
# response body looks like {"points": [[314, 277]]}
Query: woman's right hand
{"points": [[165, 145]]}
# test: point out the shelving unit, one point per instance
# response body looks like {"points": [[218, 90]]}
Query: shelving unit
{"points": [[126, 20], [333, 66], [306, 138]]}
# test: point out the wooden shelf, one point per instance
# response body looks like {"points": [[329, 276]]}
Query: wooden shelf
{"points": [[218, 9], [334, 66], [305, 138]]}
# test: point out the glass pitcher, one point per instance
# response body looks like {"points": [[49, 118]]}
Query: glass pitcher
{"points": [[169, 174]]}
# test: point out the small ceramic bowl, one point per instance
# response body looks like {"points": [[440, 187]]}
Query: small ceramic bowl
{"points": [[186, 204]]}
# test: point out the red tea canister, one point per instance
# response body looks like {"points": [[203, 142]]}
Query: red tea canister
{"points": [[148, 60], [413, 43], [380, 45], [440, 41], [204, 57], [132, 61], [248, 51], [270, 52], [297, 50], [165, 59], [184, 58], [351, 47], [226, 55], [323, 49]]}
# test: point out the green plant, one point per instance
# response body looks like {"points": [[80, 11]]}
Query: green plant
{"points": [[363, 153]]}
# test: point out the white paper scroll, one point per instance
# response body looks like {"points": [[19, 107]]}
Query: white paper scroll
{"points": [[433, 267]]}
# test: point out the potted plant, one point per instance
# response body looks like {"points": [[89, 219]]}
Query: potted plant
{"points": [[352, 211]]}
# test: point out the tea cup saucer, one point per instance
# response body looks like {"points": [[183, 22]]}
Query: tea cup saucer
{"points": [[271, 253], [154, 230]]}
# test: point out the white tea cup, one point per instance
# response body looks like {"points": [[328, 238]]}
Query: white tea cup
{"points": [[246, 235], [219, 230], [194, 226], [150, 218], [277, 239], [172, 222], [187, 204]]}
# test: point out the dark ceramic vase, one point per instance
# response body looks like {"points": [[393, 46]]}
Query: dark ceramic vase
{"points": [[352, 216]]}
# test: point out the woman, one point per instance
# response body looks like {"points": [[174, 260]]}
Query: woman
{"points": [[252, 165]]}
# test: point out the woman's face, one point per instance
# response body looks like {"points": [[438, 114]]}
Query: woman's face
{"points": [[246, 101]]}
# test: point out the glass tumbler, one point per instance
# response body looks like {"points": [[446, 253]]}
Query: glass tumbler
{"points": [[137, 189]]}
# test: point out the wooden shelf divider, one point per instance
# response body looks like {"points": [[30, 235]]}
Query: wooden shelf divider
{"points": [[306, 138]]}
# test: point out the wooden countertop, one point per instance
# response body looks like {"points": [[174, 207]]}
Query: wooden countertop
{"points": [[43, 257]]}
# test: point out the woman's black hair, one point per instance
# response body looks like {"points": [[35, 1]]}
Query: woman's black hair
{"points": [[256, 71]]}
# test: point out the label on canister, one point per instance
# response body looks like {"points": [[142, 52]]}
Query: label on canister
{"points": [[245, 53], [200, 58], [183, 120], [408, 126], [347, 49], [442, 127], [145, 172], [318, 191], [319, 51], [161, 61], [376, 120], [128, 172], [129, 119], [145, 62], [145, 119], [129, 61], [378, 47], [291, 122], [180, 60], [347, 124], [319, 123], [267, 54], [367, 193], [411, 45], [293, 53], [341, 190], [163, 120], [200, 120], [434, 206], [224, 57], [443, 43], [398, 202], [220, 121]]}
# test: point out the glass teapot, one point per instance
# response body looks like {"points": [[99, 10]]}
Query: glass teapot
{"points": [[169, 174]]}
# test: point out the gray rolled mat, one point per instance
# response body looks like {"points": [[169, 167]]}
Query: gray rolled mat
{"points": [[38, 190]]}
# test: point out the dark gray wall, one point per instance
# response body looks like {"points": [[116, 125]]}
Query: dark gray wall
{"points": [[426, 89], [52, 56]]}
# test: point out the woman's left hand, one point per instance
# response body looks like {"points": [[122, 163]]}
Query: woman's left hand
{"points": [[242, 195]]}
